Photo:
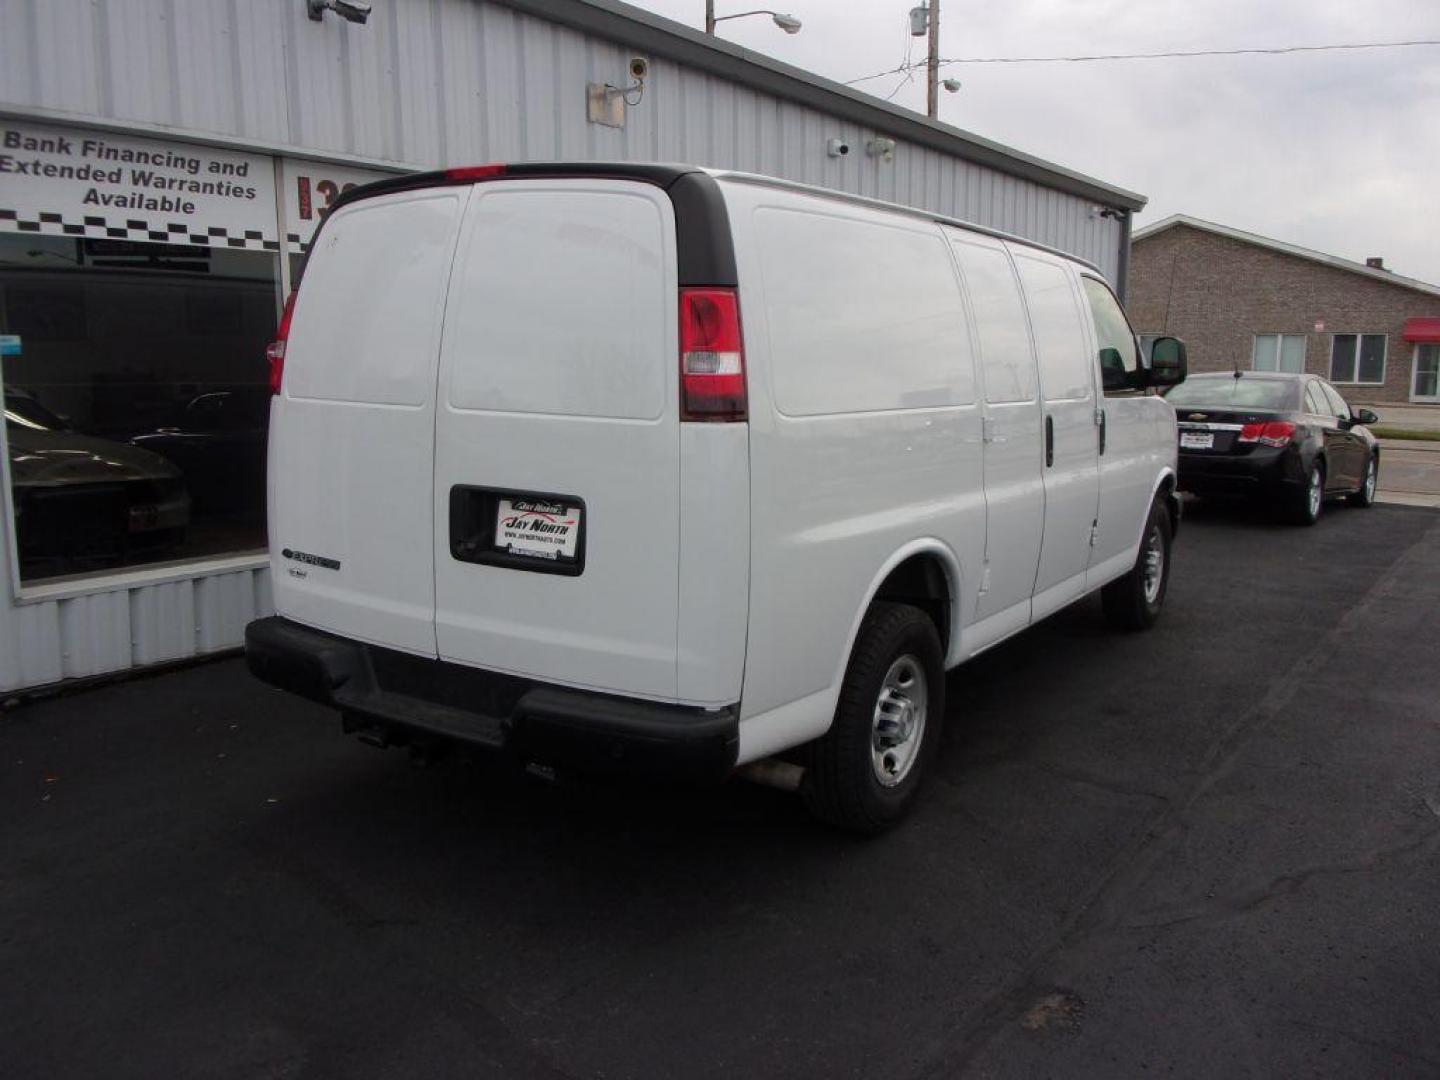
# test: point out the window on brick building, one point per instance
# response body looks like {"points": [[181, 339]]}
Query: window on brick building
{"points": [[1357, 358], [1278, 352], [1427, 373]]}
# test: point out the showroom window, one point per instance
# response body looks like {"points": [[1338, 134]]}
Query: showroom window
{"points": [[1278, 352], [1357, 358], [136, 400]]}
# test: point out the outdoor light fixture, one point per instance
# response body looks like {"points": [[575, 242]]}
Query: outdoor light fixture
{"points": [[952, 85], [355, 11], [789, 23]]}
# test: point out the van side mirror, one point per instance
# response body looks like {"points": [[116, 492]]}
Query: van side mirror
{"points": [[1365, 416], [1168, 365]]}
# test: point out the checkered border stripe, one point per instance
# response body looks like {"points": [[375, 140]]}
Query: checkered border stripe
{"points": [[296, 243], [135, 229]]}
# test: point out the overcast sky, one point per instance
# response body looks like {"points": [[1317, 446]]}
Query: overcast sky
{"points": [[1334, 151]]}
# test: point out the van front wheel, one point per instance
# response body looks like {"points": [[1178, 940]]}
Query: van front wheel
{"points": [[864, 772], [1133, 602]]}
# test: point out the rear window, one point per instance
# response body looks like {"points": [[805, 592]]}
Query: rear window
{"points": [[367, 320], [1228, 392], [563, 303]]}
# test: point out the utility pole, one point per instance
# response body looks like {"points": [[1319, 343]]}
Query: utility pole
{"points": [[932, 67], [710, 16]]}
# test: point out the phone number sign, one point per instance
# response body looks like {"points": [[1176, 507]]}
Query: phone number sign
{"points": [[310, 189]]}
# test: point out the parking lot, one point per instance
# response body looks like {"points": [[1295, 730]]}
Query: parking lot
{"points": [[1212, 849]]}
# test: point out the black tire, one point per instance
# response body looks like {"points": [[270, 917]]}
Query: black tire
{"points": [[1366, 495], [1304, 507], [1134, 601], [842, 785]]}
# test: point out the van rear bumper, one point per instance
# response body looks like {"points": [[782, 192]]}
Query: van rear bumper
{"points": [[400, 698]]}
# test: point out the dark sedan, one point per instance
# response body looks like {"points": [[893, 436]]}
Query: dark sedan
{"points": [[1285, 438]]}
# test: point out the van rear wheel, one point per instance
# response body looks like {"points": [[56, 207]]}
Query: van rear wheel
{"points": [[865, 771], [1133, 602]]}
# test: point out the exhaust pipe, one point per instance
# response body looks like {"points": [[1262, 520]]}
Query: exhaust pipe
{"points": [[772, 772]]}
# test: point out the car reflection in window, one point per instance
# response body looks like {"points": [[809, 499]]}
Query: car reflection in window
{"points": [[84, 503], [218, 443]]}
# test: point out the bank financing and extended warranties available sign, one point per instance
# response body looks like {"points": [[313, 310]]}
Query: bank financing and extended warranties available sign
{"points": [[64, 181]]}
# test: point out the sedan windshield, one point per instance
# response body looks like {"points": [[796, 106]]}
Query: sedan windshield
{"points": [[22, 410], [1228, 392]]}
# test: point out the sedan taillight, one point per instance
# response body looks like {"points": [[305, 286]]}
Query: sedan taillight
{"points": [[1272, 433]]}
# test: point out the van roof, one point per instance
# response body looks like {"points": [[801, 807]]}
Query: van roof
{"points": [[706, 256]]}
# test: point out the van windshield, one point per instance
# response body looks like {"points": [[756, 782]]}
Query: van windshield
{"points": [[1228, 392]]}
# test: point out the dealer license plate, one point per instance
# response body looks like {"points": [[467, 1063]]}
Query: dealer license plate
{"points": [[1197, 440], [538, 529]]}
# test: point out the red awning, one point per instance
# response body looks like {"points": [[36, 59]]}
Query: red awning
{"points": [[1426, 329]]}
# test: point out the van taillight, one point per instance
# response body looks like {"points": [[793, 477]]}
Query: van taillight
{"points": [[712, 361], [1273, 433], [275, 351]]}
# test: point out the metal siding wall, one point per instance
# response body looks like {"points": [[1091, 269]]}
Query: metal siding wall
{"points": [[426, 83], [432, 82], [119, 628]]}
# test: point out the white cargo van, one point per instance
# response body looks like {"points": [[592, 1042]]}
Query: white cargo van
{"points": [[656, 468]]}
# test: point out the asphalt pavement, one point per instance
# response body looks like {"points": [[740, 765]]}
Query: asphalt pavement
{"points": [[1212, 849]]}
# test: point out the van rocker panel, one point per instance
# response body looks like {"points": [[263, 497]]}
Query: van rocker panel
{"points": [[402, 696]]}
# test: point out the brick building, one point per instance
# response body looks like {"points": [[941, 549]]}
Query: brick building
{"points": [[1237, 298]]}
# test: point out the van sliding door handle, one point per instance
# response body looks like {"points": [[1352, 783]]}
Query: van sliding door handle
{"points": [[1049, 441]]}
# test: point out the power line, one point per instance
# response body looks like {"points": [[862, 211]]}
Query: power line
{"points": [[1173, 54]]}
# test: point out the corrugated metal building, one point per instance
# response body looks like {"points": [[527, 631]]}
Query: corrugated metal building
{"points": [[163, 164]]}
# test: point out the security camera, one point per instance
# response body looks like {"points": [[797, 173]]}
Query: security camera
{"points": [[837, 148], [355, 11], [639, 68]]}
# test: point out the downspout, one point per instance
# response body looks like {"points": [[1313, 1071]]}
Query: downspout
{"points": [[1122, 269]]}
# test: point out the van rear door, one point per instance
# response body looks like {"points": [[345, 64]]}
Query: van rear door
{"points": [[352, 433], [556, 496]]}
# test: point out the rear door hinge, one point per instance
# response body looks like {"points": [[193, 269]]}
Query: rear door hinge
{"points": [[1094, 533]]}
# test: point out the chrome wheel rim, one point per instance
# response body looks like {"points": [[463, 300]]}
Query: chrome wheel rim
{"points": [[1154, 564], [1370, 481], [1316, 491], [898, 727]]}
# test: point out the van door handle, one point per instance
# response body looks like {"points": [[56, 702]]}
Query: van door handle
{"points": [[1100, 421], [1049, 441]]}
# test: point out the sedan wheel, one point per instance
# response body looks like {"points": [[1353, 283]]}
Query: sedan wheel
{"points": [[1309, 500], [1366, 495]]}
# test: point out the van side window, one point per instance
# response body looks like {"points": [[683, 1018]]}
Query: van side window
{"points": [[1059, 333], [861, 316], [1115, 340], [1000, 319]]}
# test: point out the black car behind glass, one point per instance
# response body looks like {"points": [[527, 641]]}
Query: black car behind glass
{"points": [[1289, 439], [83, 502]]}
